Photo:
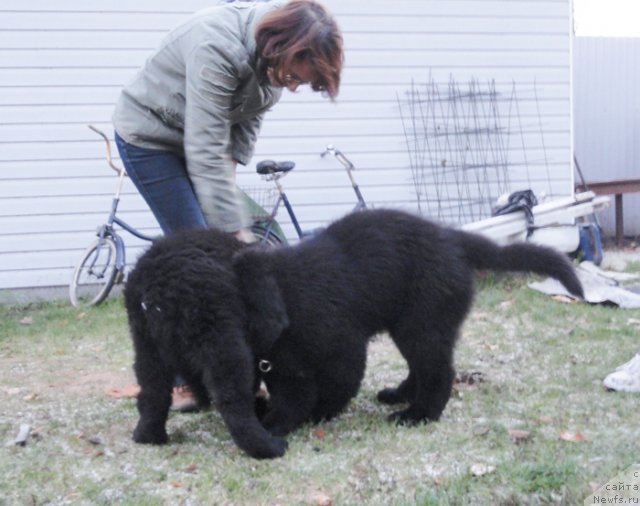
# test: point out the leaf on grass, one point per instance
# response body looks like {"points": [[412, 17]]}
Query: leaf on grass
{"points": [[27, 320], [30, 397], [564, 298], [545, 420], [191, 468], [518, 436], [80, 316], [321, 499], [572, 436], [479, 469], [176, 484], [128, 391], [319, 434]]}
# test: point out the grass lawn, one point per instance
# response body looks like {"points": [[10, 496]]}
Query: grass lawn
{"points": [[536, 427]]}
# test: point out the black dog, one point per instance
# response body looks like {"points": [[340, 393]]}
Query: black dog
{"points": [[187, 317], [310, 311], [313, 307]]}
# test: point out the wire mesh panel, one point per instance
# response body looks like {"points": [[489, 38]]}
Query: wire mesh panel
{"points": [[464, 141]]}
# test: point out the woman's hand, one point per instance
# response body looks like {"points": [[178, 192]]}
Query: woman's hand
{"points": [[245, 235]]}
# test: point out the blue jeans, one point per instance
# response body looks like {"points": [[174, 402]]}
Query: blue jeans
{"points": [[161, 178]]}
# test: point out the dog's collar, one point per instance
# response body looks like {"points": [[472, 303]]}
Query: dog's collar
{"points": [[264, 366]]}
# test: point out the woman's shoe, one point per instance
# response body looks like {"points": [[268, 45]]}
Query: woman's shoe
{"points": [[625, 378], [182, 400]]}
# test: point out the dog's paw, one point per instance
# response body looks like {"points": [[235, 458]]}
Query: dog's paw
{"points": [[255, 440], [409, 417], [390, 396], [262, 445], [273, 447], [401, 418], [150, 437]]}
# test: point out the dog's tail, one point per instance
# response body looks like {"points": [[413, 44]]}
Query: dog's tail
{"points": [[482, 253]]}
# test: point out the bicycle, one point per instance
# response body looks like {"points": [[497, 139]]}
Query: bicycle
{"points": [[274, 171], [103, 263]]}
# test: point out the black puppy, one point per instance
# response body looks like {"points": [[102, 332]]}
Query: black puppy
{"points": [[313, 307], [187, 317]]}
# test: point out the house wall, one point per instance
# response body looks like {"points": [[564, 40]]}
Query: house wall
{"points": [[63, 63], [607, 118]]}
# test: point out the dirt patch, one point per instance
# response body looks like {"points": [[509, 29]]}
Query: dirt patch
{"points": [[42, 376]]}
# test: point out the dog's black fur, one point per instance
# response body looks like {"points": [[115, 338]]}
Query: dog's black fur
{"points": [[201, 305], [313, 307], [186, 317]]}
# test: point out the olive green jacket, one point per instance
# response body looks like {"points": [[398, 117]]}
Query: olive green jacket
{"points": [[198, 95]]}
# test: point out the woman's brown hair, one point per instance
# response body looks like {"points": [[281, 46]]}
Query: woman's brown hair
{"points": [[301, 30]]}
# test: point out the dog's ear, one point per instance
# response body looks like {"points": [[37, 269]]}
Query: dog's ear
{"points": [[263, 299]]}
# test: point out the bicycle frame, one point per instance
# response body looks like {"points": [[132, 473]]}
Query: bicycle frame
{"points": [[283, 199], [108, 229], [114, 209]]}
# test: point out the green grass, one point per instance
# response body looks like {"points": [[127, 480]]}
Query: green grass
{"points": [[542, 363]]}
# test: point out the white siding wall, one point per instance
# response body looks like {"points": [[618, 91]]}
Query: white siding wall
{"points": [[607, 118], [63, 62]]}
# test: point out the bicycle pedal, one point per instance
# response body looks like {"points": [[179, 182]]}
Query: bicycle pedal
{"points": [[119, 277]]}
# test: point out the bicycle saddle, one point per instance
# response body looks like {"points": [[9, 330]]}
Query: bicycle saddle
{"points": [[270, 167]]}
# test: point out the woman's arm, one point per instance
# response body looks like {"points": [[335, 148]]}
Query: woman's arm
{"points": [[210, 85]]}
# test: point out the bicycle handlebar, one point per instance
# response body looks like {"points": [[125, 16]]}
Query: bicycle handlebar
{"points": [[331, 149], [119, 170]]}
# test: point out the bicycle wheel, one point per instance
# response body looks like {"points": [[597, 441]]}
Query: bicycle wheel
{"points": [[95, 275], [264, 236]]}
